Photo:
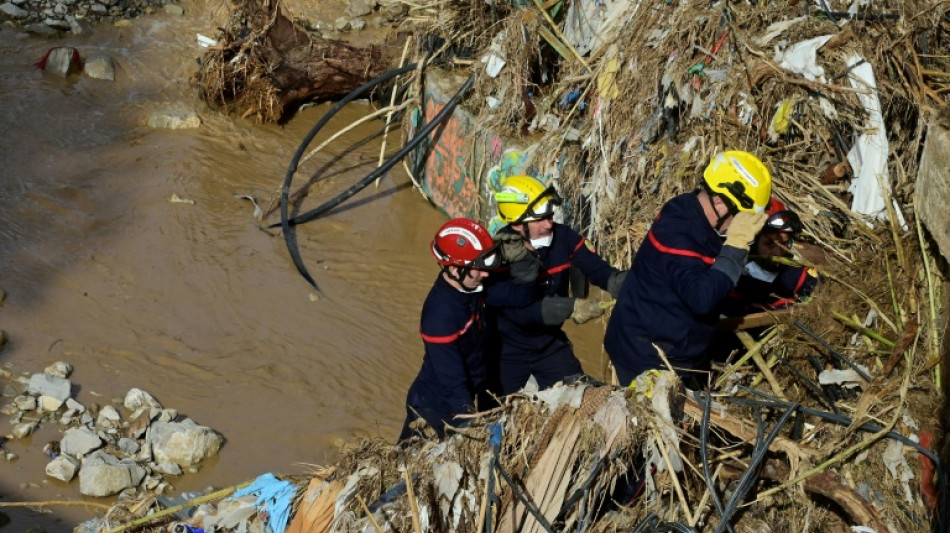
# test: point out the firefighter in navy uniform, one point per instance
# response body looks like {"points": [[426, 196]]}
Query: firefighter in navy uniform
{"points": [[453, 328], [766, 284], [531, 339], [691, 259]]}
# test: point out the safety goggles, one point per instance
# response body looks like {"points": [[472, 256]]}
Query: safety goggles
{"points": [[785, 221], [534, 210], [487, 260]]}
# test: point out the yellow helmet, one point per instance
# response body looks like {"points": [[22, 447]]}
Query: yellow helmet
{"points": [[741, 178], [524, 199]]}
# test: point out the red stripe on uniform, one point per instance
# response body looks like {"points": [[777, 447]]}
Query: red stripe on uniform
{"points": [[801, 281], [448, 338], [678, 251]]}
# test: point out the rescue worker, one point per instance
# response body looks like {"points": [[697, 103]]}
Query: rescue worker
{"points": [[530, 336], [765, 283], [452, 328], [691, 259]]}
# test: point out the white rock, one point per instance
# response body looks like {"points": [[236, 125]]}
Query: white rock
{"points": [[168, 469], [44, 384], [184, 443], [13, 11], [50, 404], [108, 417], [75, 406], [129, 446], [136, 399], [100, 67], [78, 442], [23, 429], [25, 403], [59, 369], [63, 468], [104, 475]]}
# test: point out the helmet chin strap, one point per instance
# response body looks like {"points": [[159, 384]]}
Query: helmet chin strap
{"points": [[731, 211], [460, 278]]}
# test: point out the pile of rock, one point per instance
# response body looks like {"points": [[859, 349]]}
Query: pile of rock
{"points": [[76, 16], [110, 453]]}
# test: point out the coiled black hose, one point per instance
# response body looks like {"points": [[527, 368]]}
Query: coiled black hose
{"points": [[292, 169], [286, 222]]}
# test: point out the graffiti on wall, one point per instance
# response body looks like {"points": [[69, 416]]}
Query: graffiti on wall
{"points": [[448, 180]]}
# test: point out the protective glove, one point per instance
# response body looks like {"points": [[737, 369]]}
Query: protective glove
{"points": [[587, 310], [743, 229], [525, 270], [512, 247], [615, 281], [556, 309]]}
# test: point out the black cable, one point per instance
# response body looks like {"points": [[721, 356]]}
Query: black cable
{"points": [[750, 476], [704, 456], [524, 499], [421, 135], [440, 117], [832, 391], [583, 489], [809, 384], [864, 375], [292, 169], [943, 480]]}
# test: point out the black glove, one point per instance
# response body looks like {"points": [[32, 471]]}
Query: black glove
{"points": [[525, 270], [615, 282], [512, 247], [556, 309]]}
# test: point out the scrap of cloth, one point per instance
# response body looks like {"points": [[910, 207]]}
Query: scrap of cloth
{"points": [[274, 496]]}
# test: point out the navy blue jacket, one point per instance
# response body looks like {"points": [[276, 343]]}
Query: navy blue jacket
{"points": [[453, 368], [519, 322], [672, 293], [753, 295]]}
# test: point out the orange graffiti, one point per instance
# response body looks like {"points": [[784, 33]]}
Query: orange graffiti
{"points": [[448, 179]]}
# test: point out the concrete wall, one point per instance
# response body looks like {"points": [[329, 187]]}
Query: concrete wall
{"points": [[448, 177], [933, 184], [465, 163]]}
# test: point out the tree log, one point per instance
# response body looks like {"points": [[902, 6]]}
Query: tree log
{"points": [[267, 66]]}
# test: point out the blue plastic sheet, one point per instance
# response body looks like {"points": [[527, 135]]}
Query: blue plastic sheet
{"points": [[274, 496]]}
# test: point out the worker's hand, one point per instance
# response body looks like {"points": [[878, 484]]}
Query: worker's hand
{"points": [[525, 270], [587, 310], [743, 229], [512, 247], [556, 309], [615, 281]]}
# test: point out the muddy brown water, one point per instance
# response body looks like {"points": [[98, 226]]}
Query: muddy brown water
{"points": [[194, 303]]}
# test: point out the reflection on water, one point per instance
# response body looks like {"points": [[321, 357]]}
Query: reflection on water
{"points": [[196, 302]]}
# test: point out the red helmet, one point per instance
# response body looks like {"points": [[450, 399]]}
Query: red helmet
{"points": [[781, 218], [775, 205], [462, 242]]}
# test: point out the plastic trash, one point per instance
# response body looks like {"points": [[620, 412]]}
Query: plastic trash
{"points": [[204, 41]]}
